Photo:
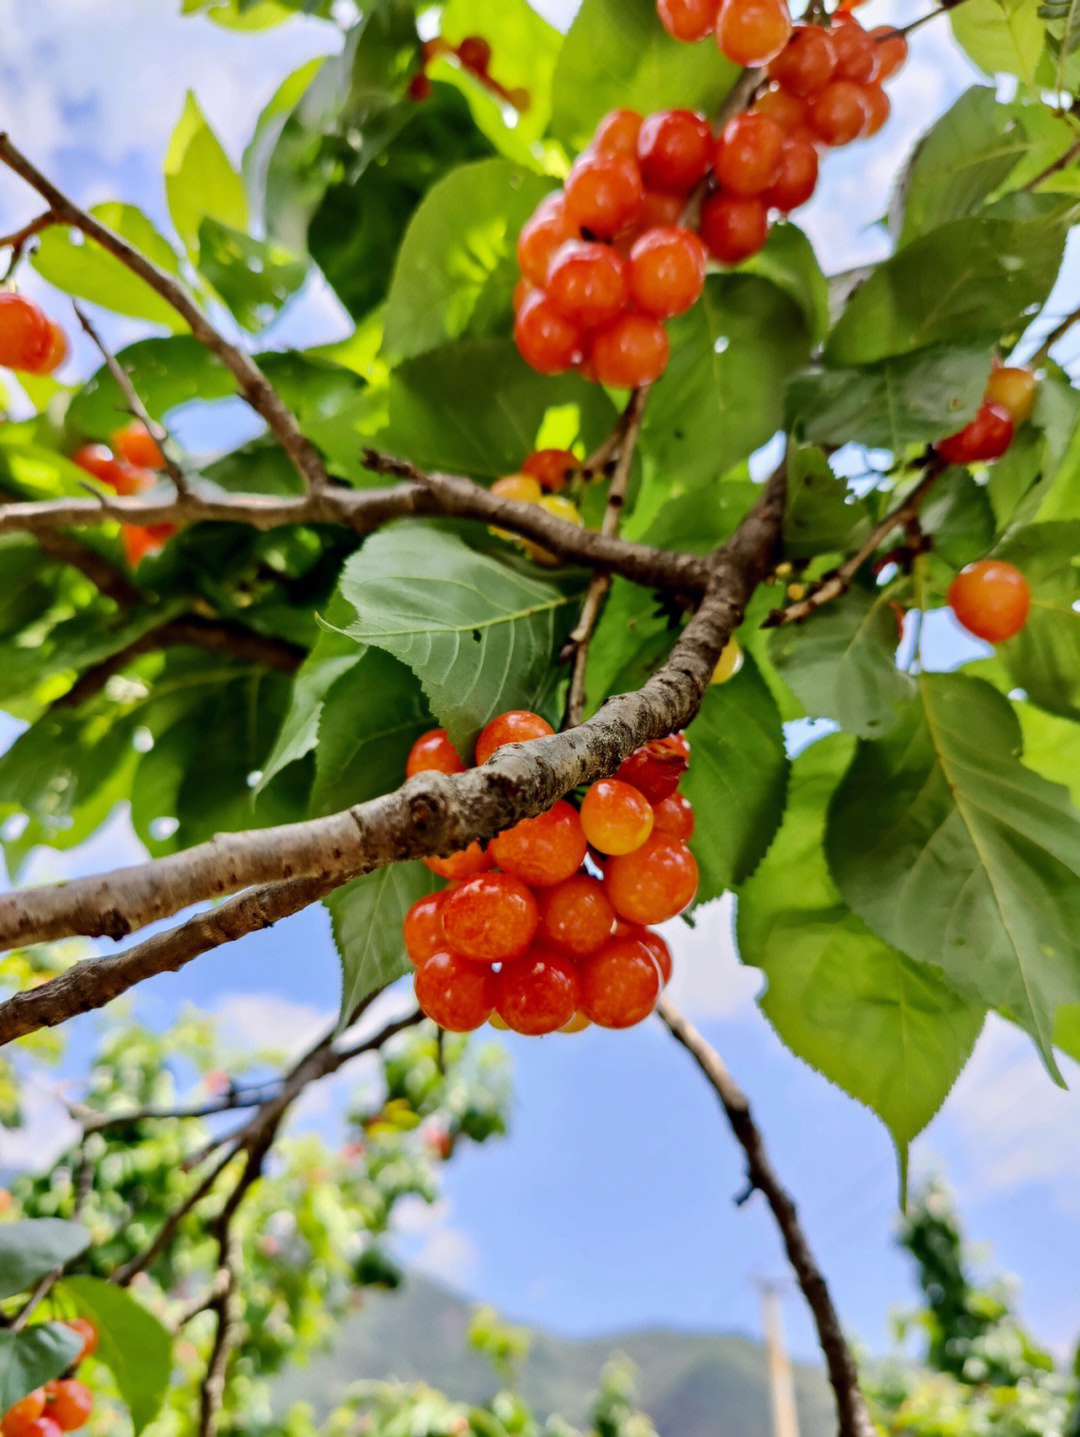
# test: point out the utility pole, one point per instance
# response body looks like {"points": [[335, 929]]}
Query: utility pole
{"points": [[781, 1382]]}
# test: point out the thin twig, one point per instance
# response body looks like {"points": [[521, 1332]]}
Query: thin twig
{"points": [[1059, 331], [19, 238], [942, 9], [217, 1289], [853, 1416], [169, 1228], [36, 1298], [1061, 163]]}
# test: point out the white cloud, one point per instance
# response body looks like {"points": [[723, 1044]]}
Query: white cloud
{"points": [[46, 1131], [430, 1243], [708, 981], [265, 1020]]}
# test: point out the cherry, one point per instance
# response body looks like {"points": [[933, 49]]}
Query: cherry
{"points": [[990, 599], [674, 148], [490, 917], [139, 540], [25, 336], [474, 52], [70, 1404], [433, 753], [879, 108], [661, 953], [577, 1024], [40, 1427], [138, 446], [788, 110], [667, 271], [798, 175], [422, 929], [631, 351], [890, 51], [420, 87], [655, 882], [538, 992], [985, 439], [604, 192], [807, 62], [541, 235], [658, 211], [617, 133], [734, 227], [466, 863], [674, 816], [615, 816], [562, 508], [752, 32], [515, 726], [840, 113], [575, 915], [552, 467], [88, 1332], [746, 158], [855, 51], [20, 1414], [543, 850], [455, 992], [102, 463], [656, 768], [1014, 390], [619, 984], [56, 352], [546, 340], [521, 487], [586, 282], [688, 19], [729, 663]]}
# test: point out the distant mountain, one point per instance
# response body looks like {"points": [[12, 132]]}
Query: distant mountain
{"points": [[692, 1384]]}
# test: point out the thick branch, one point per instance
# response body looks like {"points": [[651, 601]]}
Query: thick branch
{"points": [[256, 389], [853, 1416]]}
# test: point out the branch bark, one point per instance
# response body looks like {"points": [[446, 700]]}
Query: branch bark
{"points": [[852, 1413]]}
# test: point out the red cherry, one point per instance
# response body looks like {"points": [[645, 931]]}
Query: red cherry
{"points": [[1015, 390], [20, 1414], [985, 439], [549, 227], [734, 227], [658, 211], [140, 540], [586, 282], [654, 883], [433, 753], [70, 1404], [807, 62], [617, 133], [455, 992], [56, 351], [619, 984], [752, 32], [41, 1427], [878, 108], [615, 816], [667, 271], [138, 446], [515, 726], [544, 850], [538, 992], [798, 175], [546, 341], [631, 351], [661, 953], [656, 768], [422, 928], [746, 158], [990, 599], [688, 20], [855, 51], [840, 113], [25, 336], [466, 863], [674, 815], [787, 110], [575, 915], [85, 1329], [474, 52], [551, 469], [490, 917], [890, 51], [420, 87], [674, 148], [604, 192]]}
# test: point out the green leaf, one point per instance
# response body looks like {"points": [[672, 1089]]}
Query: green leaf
{"points": [[1044, 657], [969, 277], [840, 663], [132, 1344], [456, 269], [368, 721], [367, 915], [881, 1027], [34, 1247], [616, 55], [1001, 36], [479, 632], [80, 267], [953, 851], [165, 372], [789, 262], [253, 277], [822, 516], [34, 1356], [737, 779], [721, 395], [1051, 746], [200, 182], [913, 399]]}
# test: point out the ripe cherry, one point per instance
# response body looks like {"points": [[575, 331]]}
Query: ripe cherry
{"points": [[586, 282], [890, 51], [422, 928], [538, 992], [985, 439], [25, 335], [70, 1404], [879, 107], [546, 340], [548, 228], [746, 157], [455, 992], [433, 753], [466, 863], [514, 726], [139, 540], [674, 816], [562, 508], [575, 915], [787, 110], [661, 953], [604, 192], [654, 883], [855, 51], [752, 32], [474, 52], [138, 446], [43, 1426], [667, 271], [577, 1024], [734, 227], [798, 175], [551, 467], [56, 351], [543, 850], [631, 351], [674, 149], [1015, 390], [658, 210], [656, 768], [617, 133], [615, 816], [619, 984], [840, 113], [88, 1332], [807, 62], [490, 917], [20, 1414], [688, 20], [990, 599], [102, 463]]}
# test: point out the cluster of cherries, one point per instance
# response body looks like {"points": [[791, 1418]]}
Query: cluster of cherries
{"points": [[607, 259], [60, 1406], [29, 340], [1008, 402], [472, 54], [544, 473], [128, 468], [546, 928]]}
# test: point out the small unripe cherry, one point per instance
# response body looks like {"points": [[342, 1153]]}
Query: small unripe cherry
{"points": [[522, 488], [560, 507], [688, 20], [1013, 389], [990, 599], [631, 351], [615, 816], [514, 726], [489, 918], [752, 32], [604, 192], [985, 439], [734, 227], [729, 663], [433, 753]]}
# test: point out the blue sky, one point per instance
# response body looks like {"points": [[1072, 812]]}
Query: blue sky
{"points": [[610, 1203]]}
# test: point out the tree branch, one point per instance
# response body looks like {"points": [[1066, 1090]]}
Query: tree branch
{"points": [[255, 388], [1060, 330], [1061, 163], [852, 1413]]}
